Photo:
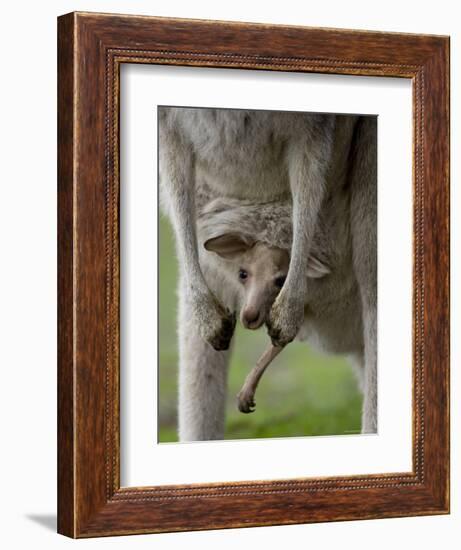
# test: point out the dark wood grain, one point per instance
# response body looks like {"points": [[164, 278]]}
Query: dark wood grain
{"points": [[66, 297], [91, 49], [436, 268]]}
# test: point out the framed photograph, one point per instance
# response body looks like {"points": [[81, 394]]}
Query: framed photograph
{"points": [[253, 252]]}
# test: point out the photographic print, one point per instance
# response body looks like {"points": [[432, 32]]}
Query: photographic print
{"points": [[247, 325], [273, 219]]}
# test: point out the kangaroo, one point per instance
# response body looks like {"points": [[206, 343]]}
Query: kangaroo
{"points": [[254, 155], [317, 173]]}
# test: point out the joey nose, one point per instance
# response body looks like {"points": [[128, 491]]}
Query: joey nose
{"points": [[251, 319]]}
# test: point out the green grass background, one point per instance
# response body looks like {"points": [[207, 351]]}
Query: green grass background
{"points": [[302, 393]]}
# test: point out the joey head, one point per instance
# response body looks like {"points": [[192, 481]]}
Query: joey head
{"points": [[261, 269]]}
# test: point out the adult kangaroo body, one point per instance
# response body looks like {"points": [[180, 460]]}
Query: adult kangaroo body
{"points": [[261, 157]]}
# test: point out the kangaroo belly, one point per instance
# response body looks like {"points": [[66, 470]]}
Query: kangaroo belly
{"points": [[241, 155], [332, 336], [334, 326], [258, 181]]}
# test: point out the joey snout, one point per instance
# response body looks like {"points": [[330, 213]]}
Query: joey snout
{"points": [[256, 307], [251, 318]]}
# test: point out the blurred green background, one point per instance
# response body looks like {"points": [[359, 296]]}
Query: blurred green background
{"points": [[302, 392]]}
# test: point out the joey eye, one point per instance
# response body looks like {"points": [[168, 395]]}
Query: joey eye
{"points": [[279, 282], [243, 275]]}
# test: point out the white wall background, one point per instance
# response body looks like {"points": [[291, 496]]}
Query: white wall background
{"points": [[28, 271]]}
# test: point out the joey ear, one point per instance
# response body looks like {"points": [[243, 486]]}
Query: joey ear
{"points": [[316, 269], [229, 245]]}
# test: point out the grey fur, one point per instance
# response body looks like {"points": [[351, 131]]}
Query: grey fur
{"points": [[301, 182]]}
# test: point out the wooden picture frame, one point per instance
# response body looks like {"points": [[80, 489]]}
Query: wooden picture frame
{"points": [[91, 48]]}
